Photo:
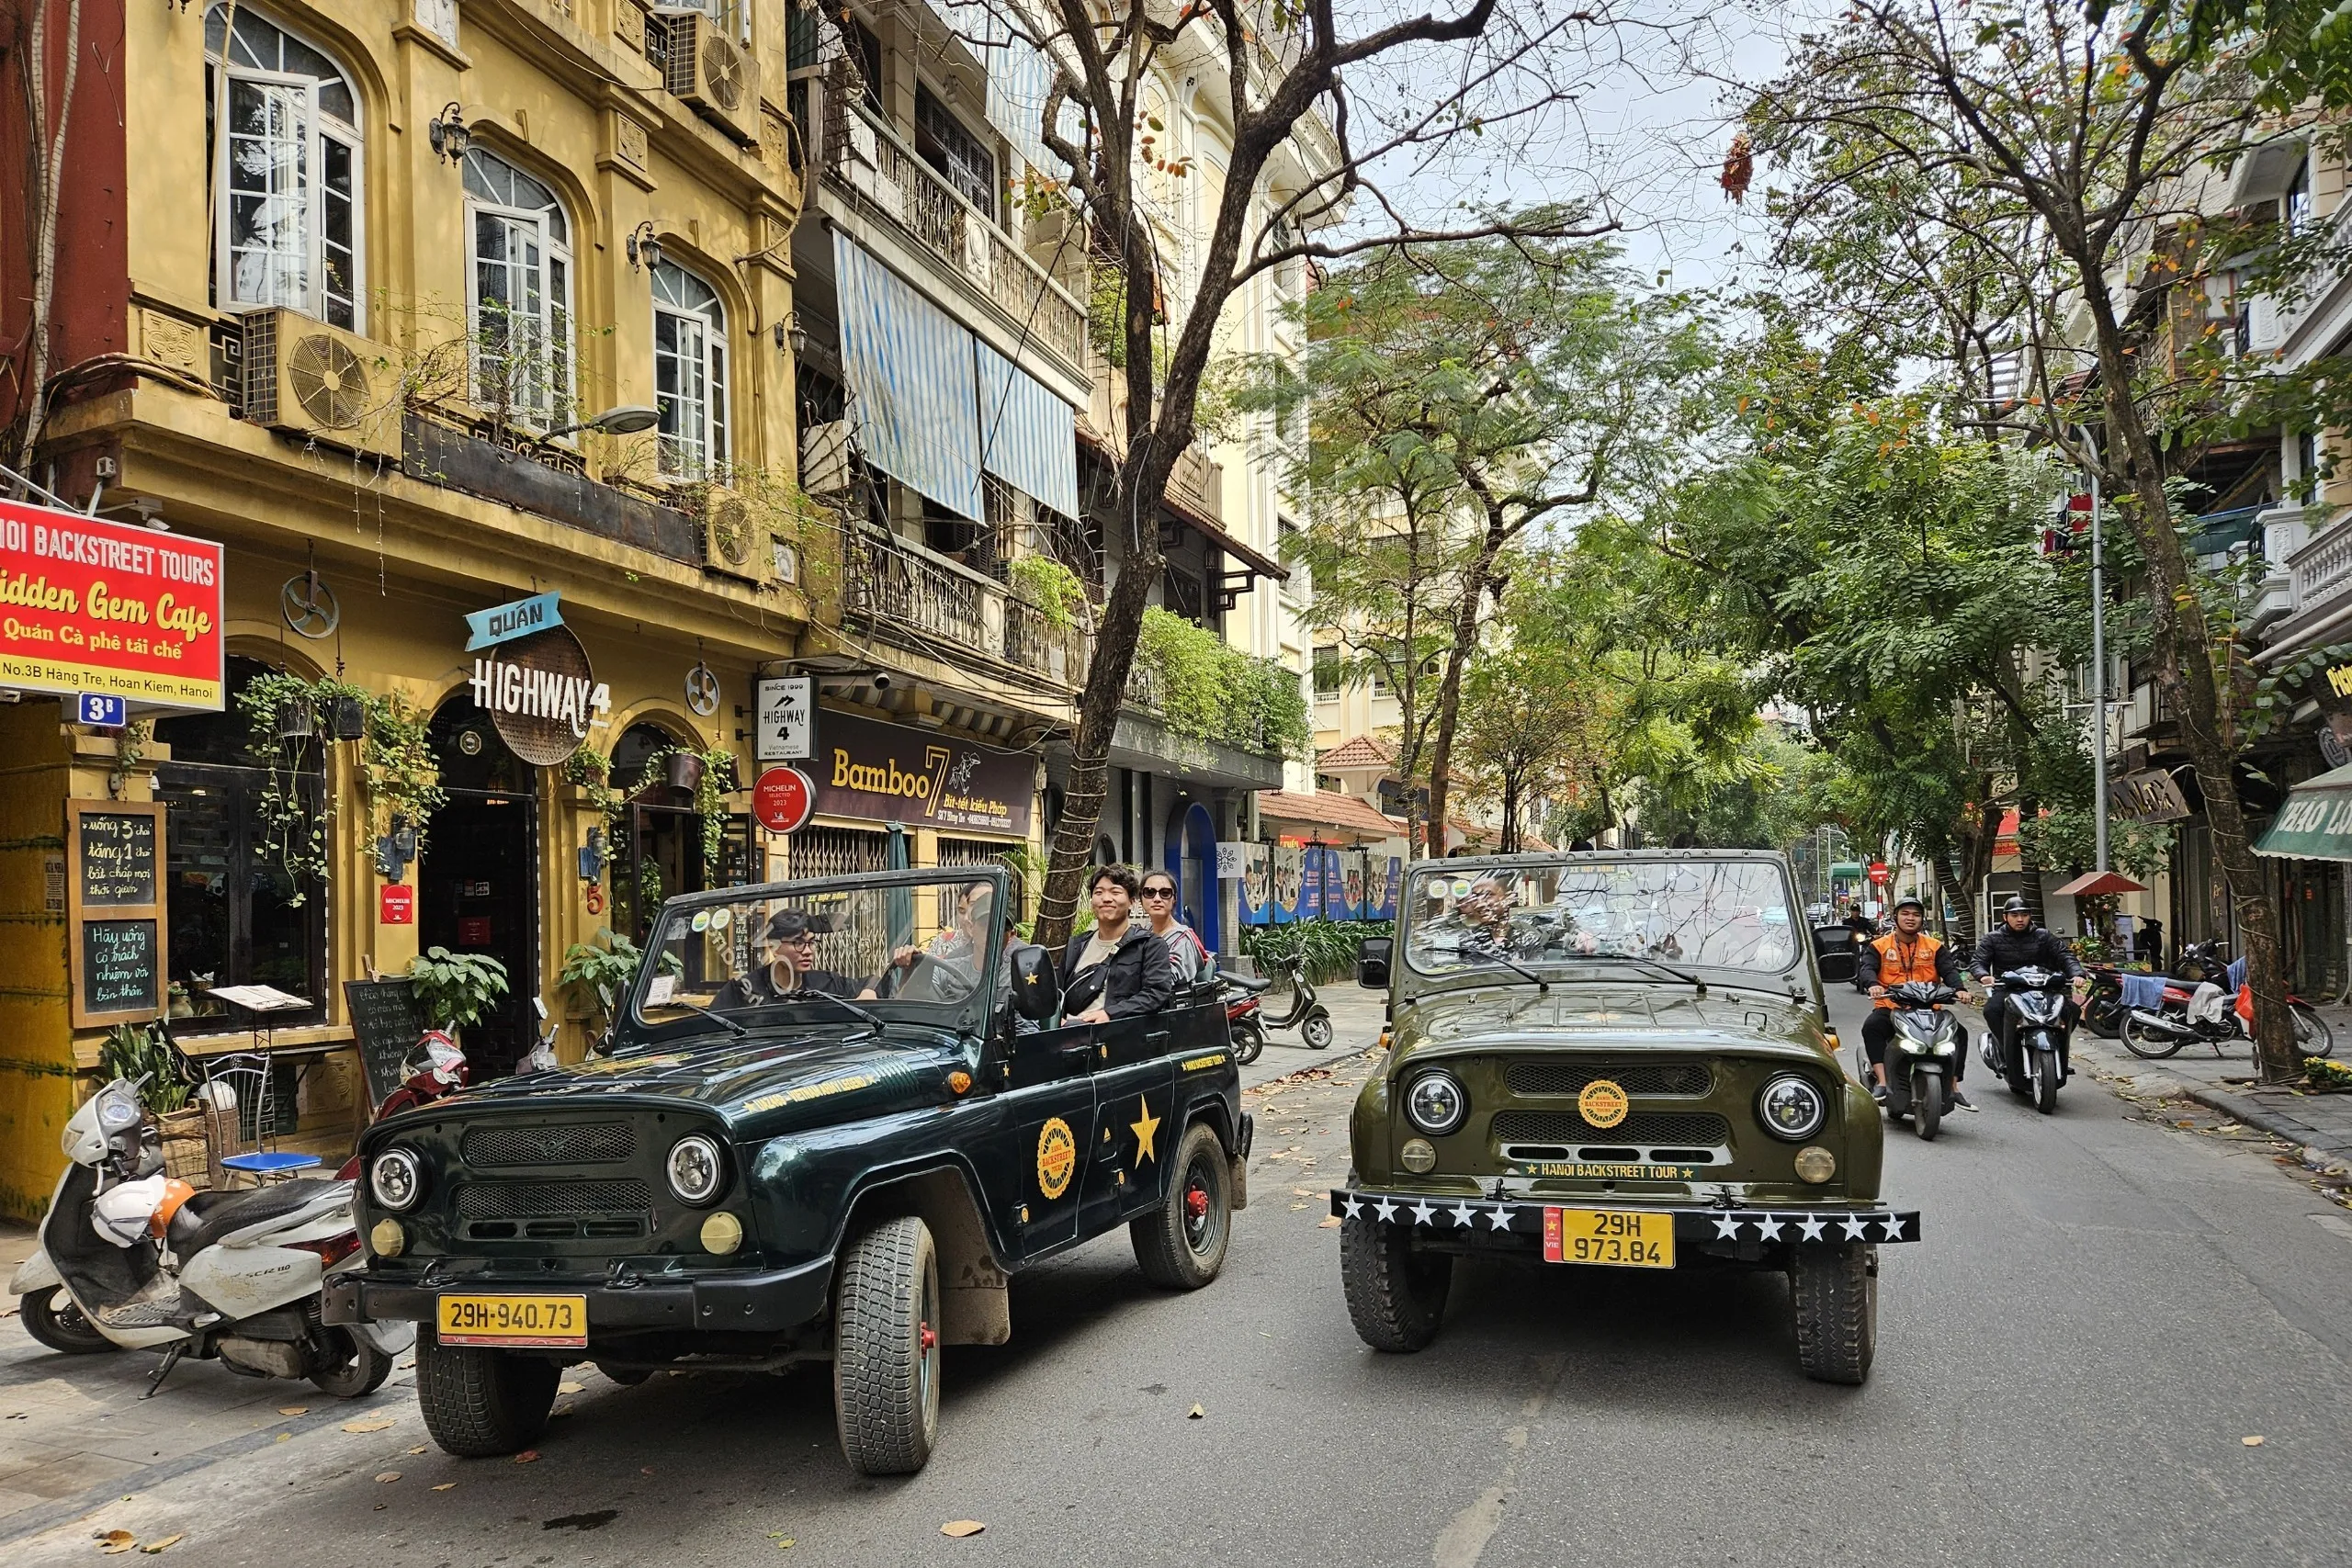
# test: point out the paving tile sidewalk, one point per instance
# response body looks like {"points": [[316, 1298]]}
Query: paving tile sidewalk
{"points": [[2321, 1124]]}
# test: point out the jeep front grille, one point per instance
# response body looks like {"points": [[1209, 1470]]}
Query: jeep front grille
{"points": [[554, 1200], [559, 1143], [1633, 1077], [1698, 1129]]}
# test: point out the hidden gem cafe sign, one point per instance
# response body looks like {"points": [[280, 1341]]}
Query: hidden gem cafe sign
{"points": [[533, 678], [108, 609]]}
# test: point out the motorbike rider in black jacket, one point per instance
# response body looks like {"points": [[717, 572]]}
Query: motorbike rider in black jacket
{"points": [[2018, 944]]}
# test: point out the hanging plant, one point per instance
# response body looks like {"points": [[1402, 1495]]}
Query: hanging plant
{"points": [[398, 772], [713, 776], [1049, 587], [279, 719], [592, 771]]}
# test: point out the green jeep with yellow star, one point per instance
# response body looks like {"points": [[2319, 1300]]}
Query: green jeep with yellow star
{"points": [[1611, 1060], [836, 1117]]}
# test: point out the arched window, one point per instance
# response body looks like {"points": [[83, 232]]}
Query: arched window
{"points": [[689, 372], [287, 215], [519, 292]]}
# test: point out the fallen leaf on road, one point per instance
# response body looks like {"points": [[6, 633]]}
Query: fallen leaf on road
{"points": [[115, 1542], [369, 1424], [2251, 1442], [1327, 1223], [445, 1487], [153, 1547], [293, 1410], [528, 1456], [1196, 1414], [285, 1437], [560, 1410], [569, 1387], [387, 1476], [418, 1449], [962, 1527], [1300, 1192], [406, 1365]]}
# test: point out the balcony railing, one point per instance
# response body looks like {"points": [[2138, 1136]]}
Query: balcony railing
{"points": [[2322, 568], [899, 589], [862, 154]]}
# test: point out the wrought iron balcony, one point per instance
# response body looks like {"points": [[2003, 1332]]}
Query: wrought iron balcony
{"points": [[864, 154], [905, 595]]}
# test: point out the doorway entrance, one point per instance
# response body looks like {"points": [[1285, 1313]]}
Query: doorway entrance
{"points": [[478, 882]]}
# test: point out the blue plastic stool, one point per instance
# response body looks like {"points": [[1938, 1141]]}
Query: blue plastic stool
{"points": [[270, 1167]]}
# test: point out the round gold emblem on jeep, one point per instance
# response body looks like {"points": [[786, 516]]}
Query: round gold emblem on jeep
{"points": [[1057, 1157], [1602, 1103]]}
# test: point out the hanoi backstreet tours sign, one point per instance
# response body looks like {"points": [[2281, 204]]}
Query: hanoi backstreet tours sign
{"points": [[88, 606], [895, 773]]}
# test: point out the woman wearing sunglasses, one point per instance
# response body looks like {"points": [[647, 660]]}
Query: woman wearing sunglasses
{"points": [[1187, 954]]}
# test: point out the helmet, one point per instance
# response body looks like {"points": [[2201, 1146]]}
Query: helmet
{"points": [[1910, 901], [2016, 905]]}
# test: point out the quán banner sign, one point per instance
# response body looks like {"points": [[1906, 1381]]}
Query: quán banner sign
{"points": [[88, 605]]}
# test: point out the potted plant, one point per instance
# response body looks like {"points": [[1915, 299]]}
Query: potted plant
{"points": [[140, 1053], [346, 718], [294, 716], [685, 771], [456, 988]]}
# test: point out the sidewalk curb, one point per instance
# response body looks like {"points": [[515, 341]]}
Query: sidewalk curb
{"points": [[2240, 1108]]}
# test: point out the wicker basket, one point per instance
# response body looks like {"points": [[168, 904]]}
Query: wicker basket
{"points": [[185, 1154]]}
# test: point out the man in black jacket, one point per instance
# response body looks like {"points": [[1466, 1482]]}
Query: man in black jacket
{"points": [[1119, 969], [2018, 944]]}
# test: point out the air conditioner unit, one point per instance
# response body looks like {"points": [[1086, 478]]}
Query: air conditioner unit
{"points": [[733, 541], [824, 459], [307, 378], [711, 70]]}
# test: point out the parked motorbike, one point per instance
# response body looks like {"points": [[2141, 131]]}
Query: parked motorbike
{"points": [[1920, 1055], [434, 1070], [130, 1259], [2032, 1050], [1308, 1016], [2205, 1014], [1245, 1016]]}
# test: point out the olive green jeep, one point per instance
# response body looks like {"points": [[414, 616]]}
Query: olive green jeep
{"points": [[1611, 1060]]}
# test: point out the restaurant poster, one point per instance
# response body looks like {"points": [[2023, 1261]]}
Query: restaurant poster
{"points": [[110, 609], [897, 772]]}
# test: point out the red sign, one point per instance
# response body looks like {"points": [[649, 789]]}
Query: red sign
{"points": [[1878, 871], [783, 800], [396, 904], [473, 931], [88, 605]]}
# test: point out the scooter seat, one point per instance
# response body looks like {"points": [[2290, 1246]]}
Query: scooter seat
{"points": [[1256, 987], [207, 1217]]}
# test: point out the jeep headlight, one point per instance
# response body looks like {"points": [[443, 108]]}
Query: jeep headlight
{"points": [[1435, 1103], [397, 1180], [1792, 1108], [695, 1168]]}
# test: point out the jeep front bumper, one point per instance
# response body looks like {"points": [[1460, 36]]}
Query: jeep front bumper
{"points": [[772, 1302], [1736, 1232]]}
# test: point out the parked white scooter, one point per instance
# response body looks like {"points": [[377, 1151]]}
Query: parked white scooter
{"points": [[129, 1260]]}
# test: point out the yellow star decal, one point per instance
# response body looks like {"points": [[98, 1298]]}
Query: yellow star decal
{"points": [[1145, 1131]]}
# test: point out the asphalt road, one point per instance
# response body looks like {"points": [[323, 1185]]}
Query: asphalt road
{"points": [[2105, 1308]]}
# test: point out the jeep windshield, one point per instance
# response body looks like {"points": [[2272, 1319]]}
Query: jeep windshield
{"points": [[848, 953], [1657, 919]]}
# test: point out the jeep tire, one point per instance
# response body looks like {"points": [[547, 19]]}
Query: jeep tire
{"points": [[480, 1403], [1181, 1243], [1835, 1290], [1396, 1295], [886, 1349]]}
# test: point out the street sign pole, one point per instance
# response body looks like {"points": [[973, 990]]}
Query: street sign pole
{"points": [[2098, 677]]}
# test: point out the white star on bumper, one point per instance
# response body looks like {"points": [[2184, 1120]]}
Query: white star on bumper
{"points": [[1354, 1206], [1423, 1214], [1893, 1225], [1856, 1230], [1498, 1218], [1727, 1229], [1464, 1216], [1386, 1211], [1812, 1229], [1769, 1229]]}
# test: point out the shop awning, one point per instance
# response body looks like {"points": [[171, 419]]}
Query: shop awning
{"points": [[1846, 870], [2316, 821], [2099, 884]]}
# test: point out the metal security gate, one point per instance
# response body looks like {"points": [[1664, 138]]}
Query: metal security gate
{"points": [[835, 851]]}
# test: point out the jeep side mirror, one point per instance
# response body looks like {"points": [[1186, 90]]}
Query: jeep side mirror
{"points": [[1372, 962], [1036, 985]]}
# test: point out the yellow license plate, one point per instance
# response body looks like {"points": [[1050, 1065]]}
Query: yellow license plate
{"points": [[560, 1322], [1619, 1238]]}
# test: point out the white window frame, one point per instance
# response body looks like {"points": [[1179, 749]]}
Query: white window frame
{"points": [[555, 315], [701, 450], [319, 129]]}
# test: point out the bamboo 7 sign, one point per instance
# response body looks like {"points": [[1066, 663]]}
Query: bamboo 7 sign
{"points": [[92, 607]]}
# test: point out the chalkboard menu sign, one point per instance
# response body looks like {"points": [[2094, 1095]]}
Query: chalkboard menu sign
{"points": [[122, 966], [387, 1024], [117, 861], [113, 910]]}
